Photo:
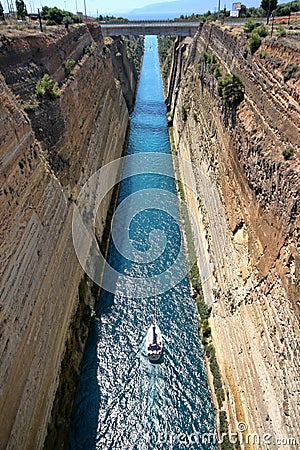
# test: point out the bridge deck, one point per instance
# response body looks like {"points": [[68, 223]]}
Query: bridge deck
{"points": [[160, 28]]}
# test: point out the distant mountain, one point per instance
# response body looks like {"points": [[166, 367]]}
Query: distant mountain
{"points": [[175, 8]]}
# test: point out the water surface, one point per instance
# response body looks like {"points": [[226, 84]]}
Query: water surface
{"points": [[123, 401]]}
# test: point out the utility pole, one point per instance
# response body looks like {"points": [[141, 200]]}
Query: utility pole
{"points": [[85, 11], [219, 6], [272, 27], [40, 20]]}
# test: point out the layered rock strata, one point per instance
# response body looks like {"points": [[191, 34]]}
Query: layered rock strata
{"points": [[46, 155], [253, 254]]}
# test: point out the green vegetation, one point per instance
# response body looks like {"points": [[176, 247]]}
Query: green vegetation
{"points": [[257, 32], [286, 8], [189, 18], [262, 54], [165, 45], [217, 72], [67, 20], [83, 288], [69, 66], [194, 274], [214, 368], [225, 444], [212, 64], [262, 30], [134, 49], [250, 26], [89, 50], [209, 58], [86, 289], [268, 6], [231, 89], [56, 16], [282, 31], [290, 71], [31, 105], [47, 88], [184, 113], [203, 310], [287, 153], [107, 18], [204, 313], [266, 9], [21, 9], [2, 13], [254, 41]]}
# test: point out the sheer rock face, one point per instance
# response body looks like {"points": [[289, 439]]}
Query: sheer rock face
{"points": [[254, 286], [46, 156]]}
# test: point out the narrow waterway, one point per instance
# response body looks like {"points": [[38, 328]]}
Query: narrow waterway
{"points": [[123, 401]]}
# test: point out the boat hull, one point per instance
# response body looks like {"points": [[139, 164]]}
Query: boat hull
{"points": [[156, 359], [154, 344]]}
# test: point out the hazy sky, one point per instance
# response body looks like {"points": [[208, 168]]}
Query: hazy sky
{"points": [[91, 5], [114, 6], [120, 6]]}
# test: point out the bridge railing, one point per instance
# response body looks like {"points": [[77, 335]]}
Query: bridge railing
{"points": [[150, 22]]}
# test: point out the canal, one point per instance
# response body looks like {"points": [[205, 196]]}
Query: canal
{"points": [[123, 401]]}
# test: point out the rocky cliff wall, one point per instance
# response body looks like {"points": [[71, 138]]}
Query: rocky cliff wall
{"points": [[254, 286], [46, 155]]}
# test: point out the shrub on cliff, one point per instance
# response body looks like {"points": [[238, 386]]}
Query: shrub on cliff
{"points": [[249, 26], [290, 71], [69, 66], [287, 153], [184, 112], [226, 443], [254, 42], [89, 50], [217, 72], [281, 31], [209, 58], [47, 88], [231, 89], [262, 30]]}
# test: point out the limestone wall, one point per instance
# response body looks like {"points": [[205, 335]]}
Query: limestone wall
{"points": [[254, 287], [46, 155]]}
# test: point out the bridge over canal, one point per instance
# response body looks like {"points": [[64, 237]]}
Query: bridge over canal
{"points": [[159, 28]]}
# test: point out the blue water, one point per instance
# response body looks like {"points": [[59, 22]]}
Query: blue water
{"points": [[123, 401]]}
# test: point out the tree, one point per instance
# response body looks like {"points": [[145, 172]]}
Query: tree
{"points": [[56, 16], [2, 13], [67, 20], [268, 6], [21, 9], [243, 11]]}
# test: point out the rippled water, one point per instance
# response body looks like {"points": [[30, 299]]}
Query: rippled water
{"points": [[123, 401]]}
